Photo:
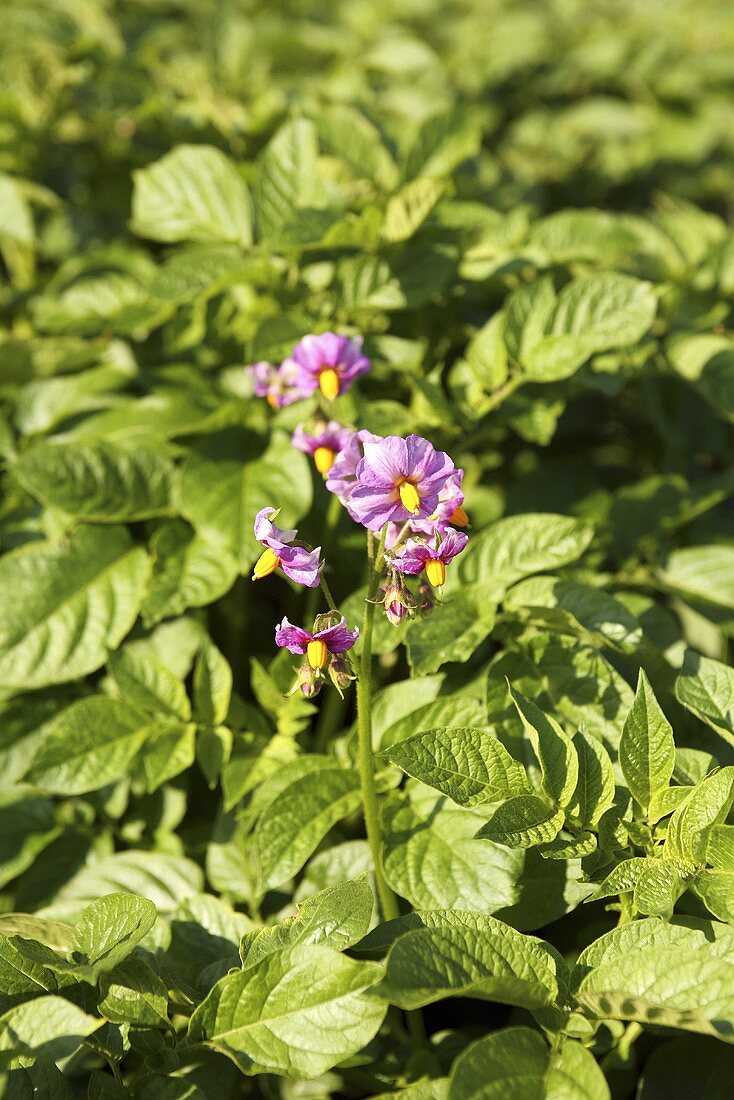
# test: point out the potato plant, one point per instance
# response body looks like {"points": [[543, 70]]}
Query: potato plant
{"points": [[366, 550]]}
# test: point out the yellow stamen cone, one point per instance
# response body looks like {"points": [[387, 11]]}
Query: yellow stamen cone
{"points": [[266, 564], [317, 653], [409, 497], [459, 518], [436, 573], [323, 459], [272, 400], [329, 383]]}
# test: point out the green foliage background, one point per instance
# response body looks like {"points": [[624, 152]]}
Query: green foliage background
{"points": [[526, 210]]}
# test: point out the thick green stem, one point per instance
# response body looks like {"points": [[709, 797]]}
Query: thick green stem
{"points": [[388, 901]]}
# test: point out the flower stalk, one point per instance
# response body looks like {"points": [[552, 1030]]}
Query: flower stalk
{"points": [[388, 901]]}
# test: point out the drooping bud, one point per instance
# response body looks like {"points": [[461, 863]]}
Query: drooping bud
{"points": [[308, 681], [426, 602], [396, 599], [266, 564], [409, 497], [323, 459], [329, 383], [340, 673]]}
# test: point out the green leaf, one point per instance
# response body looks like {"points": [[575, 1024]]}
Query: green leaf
{"points": [[409, 208], [689, 827], [193, 193], [145, 682], [431, 856], [132, 993], [165, 880], [222, 496], [518, 546], [72, 601], [703, 573], [336, 917], [97, 481], [516, 1064], [169, 750], [453, 630], [523, 822], [110, 929], [609, 309], [468, 954], [594, 791], [287, 181], [90, 744], [469, 765], [678, 974], [254, 1019], [48, 1028], [553, 748], [299, 818], [706, 687], [646, 749], [212, 685], [657, 888], [27, 826], [188, 571]]}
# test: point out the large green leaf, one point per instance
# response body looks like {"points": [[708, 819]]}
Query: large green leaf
{"points": [[72, 601], [516, 1064], [97, 481], [469, 765], [336, 917], [295, 1013], [91, 743], [49, 1028], [518, 546], [221, 496], [453, 630], [706, 687], [299, 818], [193, 193], [702, 573], [458, 953], [672, 975], [553, 748], [431, 856]]}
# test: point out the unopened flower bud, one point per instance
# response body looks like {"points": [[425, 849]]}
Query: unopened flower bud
{"points": [[340, 673], [308, 681], [396, 599]]}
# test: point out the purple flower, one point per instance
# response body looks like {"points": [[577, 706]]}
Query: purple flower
{"points": [[327, 362], [324, 443], [301, 565], [419, 555], [342, 478], [398, 480], [318, 646], [277, 384]]}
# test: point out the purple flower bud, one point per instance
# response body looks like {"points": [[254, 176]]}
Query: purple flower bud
{"points": [[396, 599], [340, 673]]}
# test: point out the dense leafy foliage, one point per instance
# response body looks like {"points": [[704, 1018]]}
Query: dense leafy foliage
{"points": [[525, 210]]}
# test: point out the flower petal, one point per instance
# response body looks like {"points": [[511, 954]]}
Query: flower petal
{"points": [[291, 637], [339, 638], [301, 566]]}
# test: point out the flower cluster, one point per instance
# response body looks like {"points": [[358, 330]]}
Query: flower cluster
{"points": [[323, 649], [327, 363], [402, 489]]}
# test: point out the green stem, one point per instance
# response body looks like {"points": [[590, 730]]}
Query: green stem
{"points": [[388, 901]]}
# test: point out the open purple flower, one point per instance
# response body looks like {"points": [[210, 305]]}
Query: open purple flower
{"points": [[324, 443], [301, 565], [417, 556], [342, 477], [327, 362], [318, 646], [398, 480], [276, 384]]}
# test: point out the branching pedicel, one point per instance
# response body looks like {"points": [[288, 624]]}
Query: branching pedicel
{"points": [[403, 491]]}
